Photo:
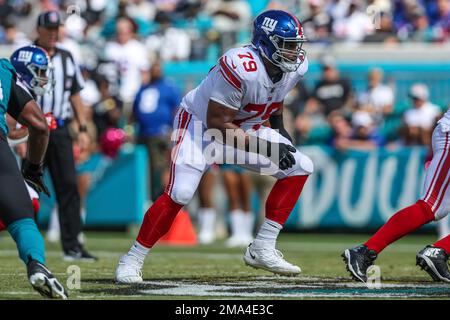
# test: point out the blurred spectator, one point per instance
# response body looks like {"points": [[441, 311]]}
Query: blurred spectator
{"points": [[153, 110], [378, 100], [341, 128], [166, 5], [90, 94], [419, 120], [411, 21], [107, 113], [229, 18], [6, 10], [421, 31], [330, 94], [130, 56], [385, 33], [12, 36], [142, 26], [142, 9], [317, 26], [364, 133], [294, 104], [169, 43], [441, 27], [355, 25]]}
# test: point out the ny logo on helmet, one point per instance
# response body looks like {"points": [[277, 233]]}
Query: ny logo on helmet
{"points": [[25, 56], [269, 24]]}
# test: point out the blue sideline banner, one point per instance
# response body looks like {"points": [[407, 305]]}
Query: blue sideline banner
{"points": [[119, 190], [356, 189]]}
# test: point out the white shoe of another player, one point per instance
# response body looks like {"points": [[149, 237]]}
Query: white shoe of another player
{"points": [[206, 237], [129, 270], [53, 236], [236, 241], [269, 259]]}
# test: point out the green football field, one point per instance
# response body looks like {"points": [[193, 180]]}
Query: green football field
{"points": [[215, 272]]}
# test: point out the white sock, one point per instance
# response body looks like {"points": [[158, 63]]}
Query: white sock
{"points": [[206, 219], [54, 221], [237, 221], [443, 227], [139, 251], [249, 223], [268, 234]]}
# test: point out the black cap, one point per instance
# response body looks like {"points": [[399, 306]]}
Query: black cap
{"points": [[49, 19]]}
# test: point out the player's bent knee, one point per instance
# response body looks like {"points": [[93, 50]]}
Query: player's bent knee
{"points": [[182, 195], [303, 165]]}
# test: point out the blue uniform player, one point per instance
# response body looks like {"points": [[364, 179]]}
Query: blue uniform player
{"points": [[27, 72]]}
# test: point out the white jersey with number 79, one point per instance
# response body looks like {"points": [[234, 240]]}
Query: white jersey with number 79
{"points": [[240, 81]]}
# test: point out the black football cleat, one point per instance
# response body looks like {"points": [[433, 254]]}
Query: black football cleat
{"points": [[434, 261], [44, 282], [358, 260], [79, 254]]}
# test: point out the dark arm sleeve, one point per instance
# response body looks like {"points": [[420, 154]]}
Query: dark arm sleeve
{"points": [[18, 99], [276, 122]]}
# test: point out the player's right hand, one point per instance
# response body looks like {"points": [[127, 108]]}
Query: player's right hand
{"points": [[33, 173]]}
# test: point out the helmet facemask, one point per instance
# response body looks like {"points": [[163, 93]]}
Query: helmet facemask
{"points": [[42, 81], [289, 54]]}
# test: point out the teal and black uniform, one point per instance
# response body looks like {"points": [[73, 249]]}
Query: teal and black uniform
{"points": [[16, 209], [15, 202]]}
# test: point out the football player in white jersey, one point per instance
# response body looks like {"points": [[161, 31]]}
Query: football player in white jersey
{"points": [[434, 204], [228, 116]]}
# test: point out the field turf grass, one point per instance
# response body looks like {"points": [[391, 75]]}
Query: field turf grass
{"points": [[216, 272]]}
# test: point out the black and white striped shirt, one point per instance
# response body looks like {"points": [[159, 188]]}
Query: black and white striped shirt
{"points": [[68, 81]]}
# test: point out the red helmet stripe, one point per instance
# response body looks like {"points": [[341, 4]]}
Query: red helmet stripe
{"points": [[299, 26]]}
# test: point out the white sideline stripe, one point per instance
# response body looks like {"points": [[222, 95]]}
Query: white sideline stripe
{"points": [[188, 288]]}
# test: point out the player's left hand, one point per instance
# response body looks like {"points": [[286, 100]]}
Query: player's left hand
{"points": [[33, 173], [281, 154], [287, 159]]}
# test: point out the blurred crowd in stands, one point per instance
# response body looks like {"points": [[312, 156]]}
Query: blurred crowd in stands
{"points": [[333, 113]]}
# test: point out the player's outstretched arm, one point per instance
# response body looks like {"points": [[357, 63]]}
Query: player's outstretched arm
{"points": [[221, 117]]}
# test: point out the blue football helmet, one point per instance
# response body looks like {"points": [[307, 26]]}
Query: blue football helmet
{"points": [[279, 37], [34, 69]]}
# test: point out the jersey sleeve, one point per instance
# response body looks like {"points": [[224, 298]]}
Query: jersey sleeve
{"points": [[228, 86], [18, 99]]}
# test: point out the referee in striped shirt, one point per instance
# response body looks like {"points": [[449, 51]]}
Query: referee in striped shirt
{"points": [[65, 104]]}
